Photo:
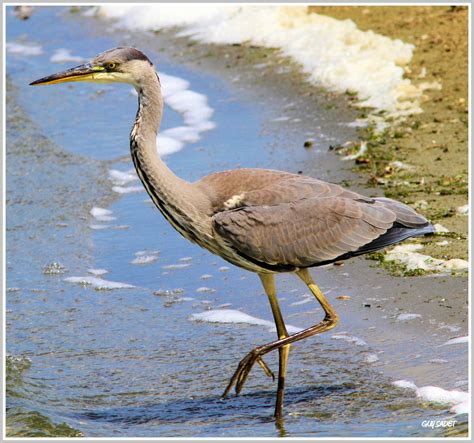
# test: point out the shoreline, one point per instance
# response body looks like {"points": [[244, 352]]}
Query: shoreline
{"points": [[422, 160]]}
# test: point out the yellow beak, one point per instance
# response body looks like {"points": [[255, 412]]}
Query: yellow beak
{"points": [[82, 73]]}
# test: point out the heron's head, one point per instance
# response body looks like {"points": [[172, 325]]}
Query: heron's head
{"points": [[118, 65]]}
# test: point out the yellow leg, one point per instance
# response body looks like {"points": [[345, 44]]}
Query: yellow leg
{"points": [[331, 314], [268, 281], [282, 344]]}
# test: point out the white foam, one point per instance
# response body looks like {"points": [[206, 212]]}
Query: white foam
{"points": [[440, 228], [171, 84], [452, 328], [463, 210], [177, 266], [404, 384], [127, 189], [361, 151], [205, 289], [344, 58], [405, 317], [357, 123], [407, 255], [459, 400], [289, 328], [98, 283], [194, 109], [121, 178], [349, 338], [97, 271], [168, 145], [102, 214], [301, 302], [223, 268], [98, 227], [142, 253], [234, 316], [401, 166], [144, 259], [461, 408], [63, 55], [178, 299], [185, 134], [371, 358], [24, 48], [456, 341]]}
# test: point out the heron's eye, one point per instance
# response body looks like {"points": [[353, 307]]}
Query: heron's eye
{"points": [[110, 66]]}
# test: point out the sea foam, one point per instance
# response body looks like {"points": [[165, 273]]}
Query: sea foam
{"points": [[344, 58], [63, 55], [457, 340], [458, 400], [24, 48], [407, 255], [98, 283], [234, 316], [102, 214]]}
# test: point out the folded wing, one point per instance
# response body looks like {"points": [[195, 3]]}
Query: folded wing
{"points": [[304, 233]]}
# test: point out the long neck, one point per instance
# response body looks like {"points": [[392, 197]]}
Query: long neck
{"points": [[181, 204]]}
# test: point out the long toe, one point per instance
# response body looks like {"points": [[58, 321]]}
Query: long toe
{"points": [[243, 370]]}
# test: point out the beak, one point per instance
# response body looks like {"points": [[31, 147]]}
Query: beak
{"points": [[80, 73]]}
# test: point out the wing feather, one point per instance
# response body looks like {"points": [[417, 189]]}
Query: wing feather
{"points": [[305, 232], [285, 219]]}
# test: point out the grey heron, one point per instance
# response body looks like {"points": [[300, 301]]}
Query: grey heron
{"points": [[264, 221]]}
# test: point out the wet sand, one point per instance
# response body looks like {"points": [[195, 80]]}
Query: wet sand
{"points": [[436, 141]]}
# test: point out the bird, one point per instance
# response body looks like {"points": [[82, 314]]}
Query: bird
{"points": [[262, 220]]}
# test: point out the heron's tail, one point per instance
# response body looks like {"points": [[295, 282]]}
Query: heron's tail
{"points": [[396, 234]]}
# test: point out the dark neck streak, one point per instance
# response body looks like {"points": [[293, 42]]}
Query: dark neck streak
{"points": [[171, 195]]}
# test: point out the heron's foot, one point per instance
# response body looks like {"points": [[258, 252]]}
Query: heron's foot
{"points": [[243, 370], [266, 369]]}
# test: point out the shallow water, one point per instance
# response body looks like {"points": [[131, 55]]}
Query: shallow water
{"points": [[132, 362]]}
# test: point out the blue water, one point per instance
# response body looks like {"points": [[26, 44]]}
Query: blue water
{"points": [[130, 362]]}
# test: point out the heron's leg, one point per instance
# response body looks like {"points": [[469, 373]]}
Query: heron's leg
{"points": [[268, 281], [330, 321], [328, 309]]}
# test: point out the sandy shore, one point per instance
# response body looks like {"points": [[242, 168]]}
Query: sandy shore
{"points": [[434, 143]]}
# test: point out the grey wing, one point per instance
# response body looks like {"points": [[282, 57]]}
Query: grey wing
{"points": [[406, 216], [257, 187], [303, 233]]}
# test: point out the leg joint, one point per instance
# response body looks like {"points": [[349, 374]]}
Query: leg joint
{"points": [[332, 319]]}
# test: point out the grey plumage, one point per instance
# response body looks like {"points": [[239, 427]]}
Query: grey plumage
{"points": [[264, 221], [286, 221]]}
